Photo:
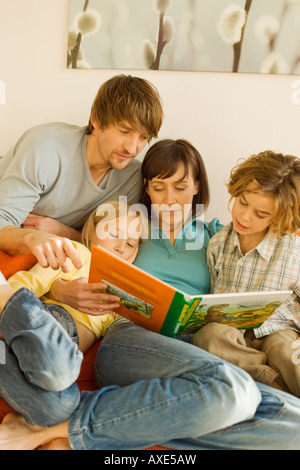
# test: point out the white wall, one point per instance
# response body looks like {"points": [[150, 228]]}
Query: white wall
{"points": [[225, 116]]}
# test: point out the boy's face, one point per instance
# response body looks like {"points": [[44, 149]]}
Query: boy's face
{"points": [[252, 212], [116, 146], [120, 236]]}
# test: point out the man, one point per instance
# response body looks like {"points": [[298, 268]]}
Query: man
{"points": [[63, 172]]}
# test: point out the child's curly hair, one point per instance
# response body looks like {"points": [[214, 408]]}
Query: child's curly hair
{"points": [[275, 175]]}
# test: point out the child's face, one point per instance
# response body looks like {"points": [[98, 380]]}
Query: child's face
{"points": [[120, 236], [252, 212]]}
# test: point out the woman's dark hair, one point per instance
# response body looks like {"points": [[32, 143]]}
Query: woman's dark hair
{"points": [[165, 157]]}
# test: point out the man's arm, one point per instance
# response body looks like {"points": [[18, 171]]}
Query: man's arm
{"points": [[49, 225], [50, 250]]}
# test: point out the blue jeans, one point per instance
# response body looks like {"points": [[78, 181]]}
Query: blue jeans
{"points": [[160, 391], [42, 359]]}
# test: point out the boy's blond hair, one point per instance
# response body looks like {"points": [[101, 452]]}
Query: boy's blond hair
{"points": [[275, 175], [108, 211]]}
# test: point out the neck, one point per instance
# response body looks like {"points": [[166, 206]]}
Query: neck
{"points": [[171, 231], [98, 168], [248, 242]]}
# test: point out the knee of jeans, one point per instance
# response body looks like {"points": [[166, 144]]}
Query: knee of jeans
{"points": [[245, 395], [60, 407], [56, 378]]}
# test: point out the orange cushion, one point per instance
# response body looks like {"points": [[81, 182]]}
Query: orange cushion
{"points": [[11, 264]]}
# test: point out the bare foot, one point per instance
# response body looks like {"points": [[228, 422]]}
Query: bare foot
{"points": [[57, 444], [16, 434]]}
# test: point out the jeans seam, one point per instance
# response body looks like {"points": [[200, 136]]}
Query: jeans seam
{"points": [[154, 352], [142, 411], [6, 396]]}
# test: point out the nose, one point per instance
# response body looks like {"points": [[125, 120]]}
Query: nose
{"points": [[120, 246], [246, 214], [170, 196], [132, 145]]}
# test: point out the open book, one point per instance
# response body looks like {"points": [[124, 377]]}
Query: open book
{"points": [[157, 306]]}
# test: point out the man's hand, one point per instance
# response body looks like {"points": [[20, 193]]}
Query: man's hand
{"points": [[51, 250]]}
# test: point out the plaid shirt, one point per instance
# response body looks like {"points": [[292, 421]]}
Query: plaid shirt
{"points": [[273, 265]]}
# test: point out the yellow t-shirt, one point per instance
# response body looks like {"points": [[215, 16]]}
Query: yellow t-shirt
{"points": [[39, 281]]}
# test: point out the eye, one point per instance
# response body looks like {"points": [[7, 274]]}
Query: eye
{"points": [[180, 189], [112, 235]]}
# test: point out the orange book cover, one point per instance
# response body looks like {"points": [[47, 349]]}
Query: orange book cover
{"points": [[157, 306], [145, 300]]}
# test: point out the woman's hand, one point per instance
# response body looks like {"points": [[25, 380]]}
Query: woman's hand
{"points": [[84, 296]]}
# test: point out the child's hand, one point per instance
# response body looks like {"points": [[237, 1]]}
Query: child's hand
{"points": [[84, 296]]}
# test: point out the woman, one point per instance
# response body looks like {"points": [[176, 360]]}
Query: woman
{"points": [[156, 390]]}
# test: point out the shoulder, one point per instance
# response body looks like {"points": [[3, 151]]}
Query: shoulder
{"points": [[45, 135], [213, 227], [290, 246], [221, 238], [132, 170], [45, 149]]}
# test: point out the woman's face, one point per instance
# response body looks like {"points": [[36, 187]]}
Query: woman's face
{"points": [[172, 198]]}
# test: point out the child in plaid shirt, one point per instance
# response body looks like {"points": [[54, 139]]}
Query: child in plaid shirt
{"points": [[259, 250]]}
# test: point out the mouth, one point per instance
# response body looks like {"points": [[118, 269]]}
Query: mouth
{"points": [[124, 157], [240, 226]]}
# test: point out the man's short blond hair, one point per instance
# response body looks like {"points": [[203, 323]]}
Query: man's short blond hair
{"points": [[131, 99]]}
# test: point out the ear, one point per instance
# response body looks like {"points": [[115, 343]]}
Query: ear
{"points": [[196, 188], [94, 120]]}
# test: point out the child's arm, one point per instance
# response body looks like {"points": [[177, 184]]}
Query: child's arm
{"points": [[211, 266], [87, 297], [39, 280], [84, 296]]}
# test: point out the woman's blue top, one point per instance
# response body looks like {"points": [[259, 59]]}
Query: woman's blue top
{"points": [[183, 265]]}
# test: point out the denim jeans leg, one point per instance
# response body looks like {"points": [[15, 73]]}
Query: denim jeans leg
{"points": [[39, 407], [275, 426], [46, 353], [157, 390]]}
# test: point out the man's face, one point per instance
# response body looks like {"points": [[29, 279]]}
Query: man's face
{"points": [[116, 146]]}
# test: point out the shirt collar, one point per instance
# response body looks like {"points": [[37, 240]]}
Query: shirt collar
{"points": [[265, 248]]}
